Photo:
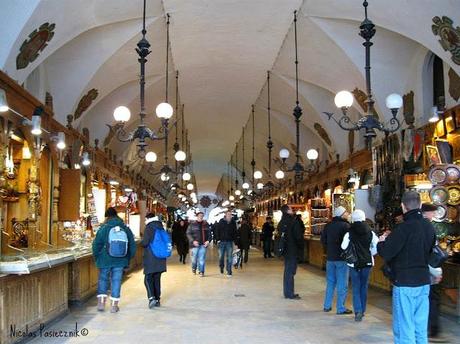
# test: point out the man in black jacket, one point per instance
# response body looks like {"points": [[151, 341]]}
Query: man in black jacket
{"points": [[290, 227], [226, 235], [267, 234], [336, 267], [199, 235], [407, 250]]}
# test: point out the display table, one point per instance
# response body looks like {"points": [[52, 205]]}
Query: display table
{"points": [[450, 298], [316, 255], [43, 292]]}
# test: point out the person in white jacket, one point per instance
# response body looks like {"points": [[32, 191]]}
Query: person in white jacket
{"points": [[365, 243]]}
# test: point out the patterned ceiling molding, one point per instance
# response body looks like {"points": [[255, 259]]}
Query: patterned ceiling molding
{"points": [[31, 48], [85, 103], [449, 36], [408, 109], [322, 133], [454, 84], [361, 98], [205, 201]]}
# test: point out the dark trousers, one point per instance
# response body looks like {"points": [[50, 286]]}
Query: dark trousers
{"points": [[153, 285], [267, 248], [244, 256], [433, 316], [290, 268]]}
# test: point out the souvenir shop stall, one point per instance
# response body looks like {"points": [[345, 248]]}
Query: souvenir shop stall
{"points": [[54, 188]]}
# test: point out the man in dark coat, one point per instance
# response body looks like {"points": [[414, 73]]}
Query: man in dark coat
{"points": [[336, 268], [290, 227], [226, 236], [407, 251], [267, 235], [179, 238], [153, 266], [244, 239]]}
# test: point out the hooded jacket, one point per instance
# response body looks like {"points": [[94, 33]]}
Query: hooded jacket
{"points": [[365, 242], [407, 250], [100, 253], [152, 264]]}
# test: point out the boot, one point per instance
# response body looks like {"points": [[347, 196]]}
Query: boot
{"points": [[114, 308], [101, 303]]}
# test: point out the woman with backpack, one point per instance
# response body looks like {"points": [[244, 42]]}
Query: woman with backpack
{"points": [[153, 266], [365, 242], [113, 248]]}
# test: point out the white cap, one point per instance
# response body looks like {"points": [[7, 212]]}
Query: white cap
{"points": [[339, 211], [358, 216]]}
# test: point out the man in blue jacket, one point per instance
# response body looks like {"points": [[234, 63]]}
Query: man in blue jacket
{"points": [[407, 250], [111, 268]]}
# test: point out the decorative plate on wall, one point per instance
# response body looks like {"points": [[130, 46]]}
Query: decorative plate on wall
{"points": [[439, 195], [454, 195], [441, 214], [453, 174], [438, 175]]}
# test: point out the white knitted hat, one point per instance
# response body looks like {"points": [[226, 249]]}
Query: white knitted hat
{"points": [[339, 211], [358, 216]]}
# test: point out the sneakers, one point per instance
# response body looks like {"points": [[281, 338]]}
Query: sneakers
{"points": [[229, 275], [438, 339], [358, 316], [345, 312], [114, 308], [157, 303], [327, 309], [152, 303], [201, 274], [101, 303], [194, 272]]}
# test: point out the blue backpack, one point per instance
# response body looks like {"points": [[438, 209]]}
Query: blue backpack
{"points": [[117, 242], [161, 246]]}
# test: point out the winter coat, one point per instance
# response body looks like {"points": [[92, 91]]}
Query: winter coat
{"points": [[407, 250], [226, 231], [152, 264], [100, 243], [365, 242], [267, 231], [244, 236], [332, 236], [179, 237], [198, 231], [294, 236]]}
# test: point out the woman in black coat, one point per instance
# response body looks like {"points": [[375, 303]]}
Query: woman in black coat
{"points": [[244, 239], [179, 238], [153, 266]]}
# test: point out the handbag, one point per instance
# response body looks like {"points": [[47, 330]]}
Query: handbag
{"points": [[349, 254], [437, 257]]}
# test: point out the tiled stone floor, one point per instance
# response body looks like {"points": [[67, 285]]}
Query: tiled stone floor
{"points": [[206, 310]]}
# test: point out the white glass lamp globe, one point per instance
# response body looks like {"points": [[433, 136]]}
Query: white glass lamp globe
{"points": [[122, 114], [193, 195], [61, 141], [186, 176], [151, 157], [249, 192], [190, 186], [164, 110], [312, 154], [164, 177], [231, 198], [394, 101], [237, 193], [258, 175], [85, 159], [260, 186], [284, 153], [3, 103], [245, 186], [180, 156], [343, 99], [279, 174]]}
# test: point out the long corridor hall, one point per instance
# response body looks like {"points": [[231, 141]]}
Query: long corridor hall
{"points": [[247, 308]]}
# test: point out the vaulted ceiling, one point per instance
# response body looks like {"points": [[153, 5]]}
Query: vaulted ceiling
{"points": [[222, 50]]}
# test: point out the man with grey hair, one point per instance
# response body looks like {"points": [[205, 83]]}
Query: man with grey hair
{"points": [[406, 251]]}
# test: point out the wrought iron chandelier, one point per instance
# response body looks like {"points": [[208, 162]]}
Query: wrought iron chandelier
{"points": [[344, 99], [164, 110], [312, 154]]}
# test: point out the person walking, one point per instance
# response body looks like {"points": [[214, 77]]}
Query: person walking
{"points": [[406, 250], [179, 238], [226, 235], [434, 329], [289, 228], [244, 239], [198, 234], [113, 248], [365, 242], [153, 266], [267, 235], [336, 268]]}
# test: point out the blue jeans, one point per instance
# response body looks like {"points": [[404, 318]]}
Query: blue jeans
{"points": [[410, 314], [360, 283], [226, 250], [336, 276], [198, 258], [110, 276]]}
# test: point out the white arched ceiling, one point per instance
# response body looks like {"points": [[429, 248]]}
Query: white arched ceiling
{"points": [[222, 50]]}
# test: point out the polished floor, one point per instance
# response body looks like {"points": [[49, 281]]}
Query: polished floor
{"points": [[248, 308]]}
